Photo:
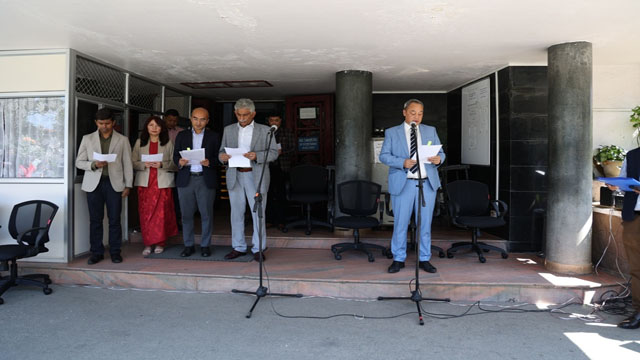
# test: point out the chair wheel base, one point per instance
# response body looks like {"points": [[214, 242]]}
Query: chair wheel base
{"points": [[449, 255], [338, 256], [505, 255], [47, 291], [441, 255], [371, 259], [47, 281], [482, 260]]}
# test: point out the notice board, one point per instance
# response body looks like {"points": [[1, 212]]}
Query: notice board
{"points": [[476, 123]]}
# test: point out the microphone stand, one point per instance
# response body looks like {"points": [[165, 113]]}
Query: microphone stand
{"points": [[416, 295], [262, 290]]}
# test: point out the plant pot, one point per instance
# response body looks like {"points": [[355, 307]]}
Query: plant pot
{"points": [[612, 168]]}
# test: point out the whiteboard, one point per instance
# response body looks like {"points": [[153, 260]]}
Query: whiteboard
{"points": [[476, 123]]}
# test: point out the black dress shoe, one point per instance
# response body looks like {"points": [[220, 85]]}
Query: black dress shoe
{"points": [[395, 266], [256, 256], [95, 258], [116, 258], [187, 251], [426, 266], [632, 322], [234, 254], [205, 251]]}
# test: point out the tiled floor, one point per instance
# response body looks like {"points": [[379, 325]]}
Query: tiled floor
{"points": [[304, 264]]}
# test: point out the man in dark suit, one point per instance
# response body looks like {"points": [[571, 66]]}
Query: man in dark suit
{"points": [[631, 234], [242, 182], [398, 153], [197, 183]]}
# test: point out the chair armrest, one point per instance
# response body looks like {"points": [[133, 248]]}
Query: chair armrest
{"points": [[38, 239], [387, 200], [500, 207]]}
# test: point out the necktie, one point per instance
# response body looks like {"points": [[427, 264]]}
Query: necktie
{"points": [[414, 149]]}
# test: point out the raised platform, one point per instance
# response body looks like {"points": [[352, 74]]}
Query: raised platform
{"points": [[300, 264]]}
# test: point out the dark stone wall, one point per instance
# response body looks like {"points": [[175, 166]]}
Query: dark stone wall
{"points": [[524, 153], [522, 92]]}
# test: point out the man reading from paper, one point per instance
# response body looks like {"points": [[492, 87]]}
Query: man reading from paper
{"points": [[399, 153], [197, 179], [248, 141]]}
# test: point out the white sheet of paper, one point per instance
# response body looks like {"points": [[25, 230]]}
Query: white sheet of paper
{"points": [[237, 157], [151, 157], [427, 151], [194, 156], [104, 157]]}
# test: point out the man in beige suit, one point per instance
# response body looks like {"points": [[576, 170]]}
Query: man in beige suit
{"points": [[105, 183]]}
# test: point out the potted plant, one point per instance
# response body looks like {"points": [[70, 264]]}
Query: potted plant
{"points": [[610, 157], [635, 122]]}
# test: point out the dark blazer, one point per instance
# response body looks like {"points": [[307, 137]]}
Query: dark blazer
{"points": [[210, 144], [631, 197]]}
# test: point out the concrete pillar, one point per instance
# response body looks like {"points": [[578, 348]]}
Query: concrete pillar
{"points": [[570, 170], [353, 125]]}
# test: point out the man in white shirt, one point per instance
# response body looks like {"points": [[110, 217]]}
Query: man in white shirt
{"points": [[242, 182]]}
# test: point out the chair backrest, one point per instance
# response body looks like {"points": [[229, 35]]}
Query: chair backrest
{"points": [[358, 197], [32, 214], [309, 179], [468, 198]]}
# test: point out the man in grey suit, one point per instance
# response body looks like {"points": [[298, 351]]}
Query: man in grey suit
{"points": [[105, 183], [242, 183]]}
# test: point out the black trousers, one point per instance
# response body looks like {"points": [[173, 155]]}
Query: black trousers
{"points": [[104, 194], [277, 199]]}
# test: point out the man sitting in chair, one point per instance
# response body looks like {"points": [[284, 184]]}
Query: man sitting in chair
{"points": [[398, 152]]}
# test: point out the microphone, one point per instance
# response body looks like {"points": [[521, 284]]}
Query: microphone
{"points": [[273, 129], [414, 124]]}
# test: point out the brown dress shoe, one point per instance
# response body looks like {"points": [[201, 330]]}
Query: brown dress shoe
{"points": [[234, 254]]}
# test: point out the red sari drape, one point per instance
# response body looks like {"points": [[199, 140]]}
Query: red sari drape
{"points": [[155, 206]]}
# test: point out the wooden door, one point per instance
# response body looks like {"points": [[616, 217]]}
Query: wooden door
{"points": [[310, 118]]}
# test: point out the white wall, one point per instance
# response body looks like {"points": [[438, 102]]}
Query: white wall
{"points": [[616, 90], [33, 72], [38, 72]]}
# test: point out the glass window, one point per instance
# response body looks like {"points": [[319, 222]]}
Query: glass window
{"points": [[32, 137]]}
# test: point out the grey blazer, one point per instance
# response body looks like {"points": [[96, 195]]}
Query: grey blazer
{"points": [[166, 174], [259, 140], [120, 171]]}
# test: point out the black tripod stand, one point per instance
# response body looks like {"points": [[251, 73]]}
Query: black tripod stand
{"points": [[416, 295], [262, 290]]}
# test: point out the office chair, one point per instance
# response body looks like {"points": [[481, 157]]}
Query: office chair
{"points": [[470, 206], [309, 184], [29, 225], [359, 200]]}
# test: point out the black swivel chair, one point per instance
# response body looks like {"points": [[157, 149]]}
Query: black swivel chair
{"points": [[309, 184], [29, 224], [470, 208], [359, 200]]}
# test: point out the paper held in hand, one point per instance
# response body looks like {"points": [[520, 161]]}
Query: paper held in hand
{"points": [[151, 157], [237, 157], [427, 151], [194, 156], [104, 157]]}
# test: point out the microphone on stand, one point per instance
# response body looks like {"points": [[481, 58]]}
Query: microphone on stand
{"points": [[273, 129], [414, 124]]}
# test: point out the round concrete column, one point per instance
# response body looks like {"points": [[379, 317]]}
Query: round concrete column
{"points": [[570, 171], [353, 125]]}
